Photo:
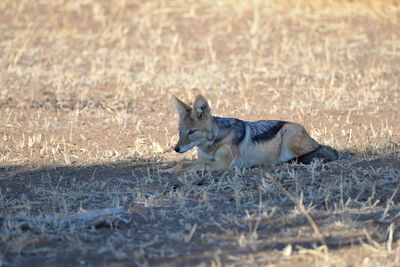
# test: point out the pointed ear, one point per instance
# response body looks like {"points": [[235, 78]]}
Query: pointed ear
{"points": [[181, 107], [201, 110]]}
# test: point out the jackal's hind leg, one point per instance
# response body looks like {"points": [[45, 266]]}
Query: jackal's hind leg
{"points": [[296, 139]]}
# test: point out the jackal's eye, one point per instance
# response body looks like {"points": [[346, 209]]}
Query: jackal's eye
{"points": [[191, 132]]}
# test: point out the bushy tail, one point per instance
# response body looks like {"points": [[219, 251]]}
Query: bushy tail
{"points": [[326, 153]]}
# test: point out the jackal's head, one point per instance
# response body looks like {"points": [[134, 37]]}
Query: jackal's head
{"points": [[195, 124]]}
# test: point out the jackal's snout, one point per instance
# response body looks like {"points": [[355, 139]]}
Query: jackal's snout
{"points": [[177, 149]]}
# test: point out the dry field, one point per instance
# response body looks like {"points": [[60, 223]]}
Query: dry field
{"points": [[86, 123]]}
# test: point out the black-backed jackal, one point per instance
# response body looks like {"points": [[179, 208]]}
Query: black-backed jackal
{"points": [[227, 142]]}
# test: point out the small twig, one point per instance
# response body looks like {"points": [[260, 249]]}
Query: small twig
{"points": [[300, 206], [85, 216], [384, 214], [93, 214], [389, 243]]}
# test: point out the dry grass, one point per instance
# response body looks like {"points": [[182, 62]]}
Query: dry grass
{"points": [[86, 121]]}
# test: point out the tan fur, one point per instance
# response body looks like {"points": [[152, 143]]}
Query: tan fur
{"points": [[296, 138]]}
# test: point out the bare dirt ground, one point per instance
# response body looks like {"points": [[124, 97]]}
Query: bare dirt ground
{"points": [[86, 123]]}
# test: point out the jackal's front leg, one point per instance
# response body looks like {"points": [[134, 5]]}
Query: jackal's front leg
{"points": [[177, 168], [223, 160], [209, 166], [198, 165]]}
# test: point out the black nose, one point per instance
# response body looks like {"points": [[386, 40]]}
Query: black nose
{"points": [[177, 149]]}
